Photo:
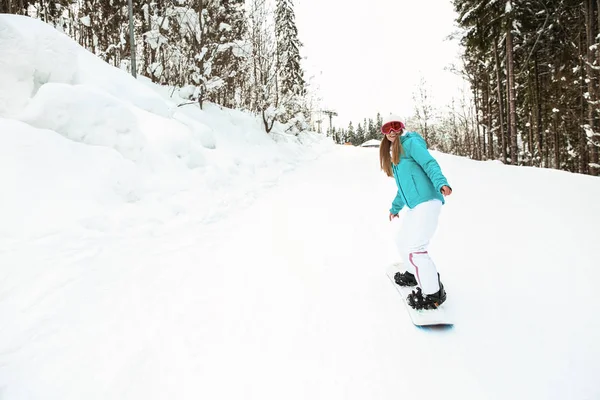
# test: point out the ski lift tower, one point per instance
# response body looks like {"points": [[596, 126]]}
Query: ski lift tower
{"points": [[331, 114], [318, 122]]}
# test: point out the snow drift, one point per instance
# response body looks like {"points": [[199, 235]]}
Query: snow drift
{"points": [[54, 87], [35, 54]]}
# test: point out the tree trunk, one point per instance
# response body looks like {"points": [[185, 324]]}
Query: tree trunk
{"points": [[555, 128], [146, 50], [509, 159], [6, 7], [592, 32], [268, 124], [583, 148], [468, 137], [502, 139], [547, 141], [512, 103], [530, 139], [488, 105], [45, 11], [538, 113], [556, 144], [476, 119]]}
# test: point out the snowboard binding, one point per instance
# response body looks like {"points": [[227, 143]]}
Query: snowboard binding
{"points": [[405, 279], [418, 301]]}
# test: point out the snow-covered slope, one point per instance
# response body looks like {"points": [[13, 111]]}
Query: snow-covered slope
{"points": [[185, 254], [61, 106]]}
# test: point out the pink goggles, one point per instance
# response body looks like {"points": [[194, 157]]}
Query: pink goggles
{"points": [[392, 126]]}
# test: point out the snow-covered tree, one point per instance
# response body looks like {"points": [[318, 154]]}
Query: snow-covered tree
{"points": [[350, 134], [212, 50], [229, 61], [290, 74], [360, 135], [372, 130], [534, 69], [423, 109], [263, 82]]}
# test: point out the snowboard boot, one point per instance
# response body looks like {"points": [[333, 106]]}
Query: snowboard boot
{"points": [[405, 279], [418, 301]]}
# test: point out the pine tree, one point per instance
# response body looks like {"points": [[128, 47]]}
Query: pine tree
{"points": [[206, 49], [113, 46], [533, 67], [290, 75], [230, 29], [371, 130], [360, 135], [350, 134]]}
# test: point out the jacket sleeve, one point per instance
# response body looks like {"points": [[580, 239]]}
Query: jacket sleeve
{"points": [[397, 204], [419, 152]]}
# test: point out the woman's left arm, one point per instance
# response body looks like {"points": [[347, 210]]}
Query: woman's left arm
{"points": [[421, 155]]}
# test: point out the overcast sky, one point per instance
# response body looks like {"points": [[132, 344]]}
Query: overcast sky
{"points": [[369, 56]]}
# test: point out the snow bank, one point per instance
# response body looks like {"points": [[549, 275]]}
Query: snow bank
{"points": [[48, 181], [88, 115], [33, 53], [130, 141]]}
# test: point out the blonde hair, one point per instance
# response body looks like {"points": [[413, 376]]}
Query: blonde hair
{"points": [[385, 158]]}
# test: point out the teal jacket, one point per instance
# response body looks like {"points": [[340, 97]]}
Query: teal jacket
{"points": [[418, 176]]}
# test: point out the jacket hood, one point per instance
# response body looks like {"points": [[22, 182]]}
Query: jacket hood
{"points": [[412, 136]]}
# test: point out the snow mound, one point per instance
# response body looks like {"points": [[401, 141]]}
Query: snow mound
{"points": [[103, 149], [85, 114], [33, 54], [72, 180], [53, 83]]}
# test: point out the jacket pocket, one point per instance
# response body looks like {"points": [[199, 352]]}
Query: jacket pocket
{"points": [[416, 188]]}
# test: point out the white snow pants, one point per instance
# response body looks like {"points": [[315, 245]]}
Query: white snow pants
{"points": [[413, 238]]}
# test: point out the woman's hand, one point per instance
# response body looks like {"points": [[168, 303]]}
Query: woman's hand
{"points": [[392, 216], [446, 191]]}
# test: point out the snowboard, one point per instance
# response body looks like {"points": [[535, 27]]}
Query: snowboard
{"points": [[422, 318]]}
